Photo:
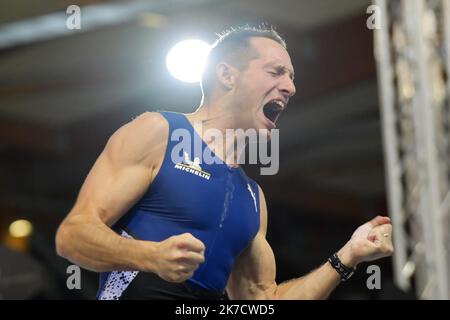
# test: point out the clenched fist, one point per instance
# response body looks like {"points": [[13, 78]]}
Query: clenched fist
{"points": [[371, 241], [179, 257]]}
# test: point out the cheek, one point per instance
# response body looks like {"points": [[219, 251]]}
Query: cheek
{"points": [[254, 89]]}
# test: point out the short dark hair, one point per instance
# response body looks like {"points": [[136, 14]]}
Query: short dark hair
{"points": [[233, 45]]}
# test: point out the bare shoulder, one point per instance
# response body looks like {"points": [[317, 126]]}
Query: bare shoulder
{"points": [[143, 140], [147, 125]]}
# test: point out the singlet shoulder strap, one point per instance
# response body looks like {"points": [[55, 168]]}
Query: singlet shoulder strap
{"points": [[175, 119]]}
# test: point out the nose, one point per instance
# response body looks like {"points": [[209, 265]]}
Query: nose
{"points": [[287, 86]]}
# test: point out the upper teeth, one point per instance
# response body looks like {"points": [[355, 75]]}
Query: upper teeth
{"points": [[281, 103]]}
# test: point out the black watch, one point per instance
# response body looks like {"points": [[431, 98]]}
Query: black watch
{"points": [[344, 271]]}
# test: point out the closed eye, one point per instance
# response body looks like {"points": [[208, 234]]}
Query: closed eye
{"points": [[276, 73], [281, 71]]}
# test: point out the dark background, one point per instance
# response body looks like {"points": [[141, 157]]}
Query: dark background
{"points": [[62, 96]]}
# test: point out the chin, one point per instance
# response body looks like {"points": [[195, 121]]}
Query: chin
{"points": [[264, 130]]}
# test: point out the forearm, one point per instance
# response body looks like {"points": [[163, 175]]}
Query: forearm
{"points": [[91, 244], [316, 285]]}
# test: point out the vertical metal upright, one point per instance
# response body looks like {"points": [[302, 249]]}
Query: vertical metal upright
{"points": [[412, 51]]}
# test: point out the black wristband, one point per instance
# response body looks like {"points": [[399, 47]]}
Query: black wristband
{"points": [[344, 271]]}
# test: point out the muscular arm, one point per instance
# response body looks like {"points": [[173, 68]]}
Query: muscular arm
{"points": [[118, 179], [253, 275]]}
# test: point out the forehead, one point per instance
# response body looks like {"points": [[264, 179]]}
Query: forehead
{"points": [[271, 52]]}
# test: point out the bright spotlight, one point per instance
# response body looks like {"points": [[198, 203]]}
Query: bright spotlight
{"points": [[186, 60], [20, 228]]}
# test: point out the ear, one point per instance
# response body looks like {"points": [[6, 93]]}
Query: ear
{"points": [[226, 75]]}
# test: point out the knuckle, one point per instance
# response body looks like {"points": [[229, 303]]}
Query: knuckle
{"points": [[174, 240], [385, 249], [180, 243], [177, 255]]}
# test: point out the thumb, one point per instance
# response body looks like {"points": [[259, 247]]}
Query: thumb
{"points": [[191, 243]]}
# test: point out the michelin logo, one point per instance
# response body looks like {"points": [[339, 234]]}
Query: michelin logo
{"points": [[192, 167], [194, 164]]}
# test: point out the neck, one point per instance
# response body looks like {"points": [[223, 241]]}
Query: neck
{"points": [[218, 116]]}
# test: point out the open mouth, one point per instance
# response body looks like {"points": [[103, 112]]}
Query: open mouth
{"points": [[272, 110]]}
